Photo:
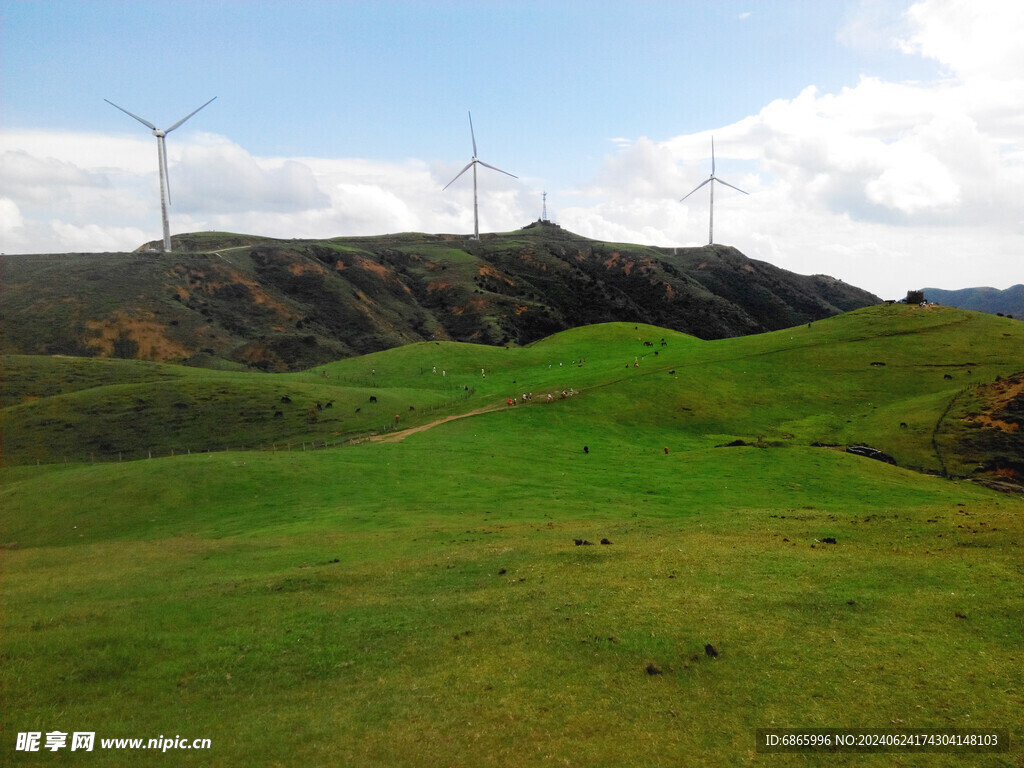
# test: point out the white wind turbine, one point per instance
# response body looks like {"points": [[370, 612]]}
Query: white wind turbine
{"points": [[165, 192], [709, 180], [473, 164]]}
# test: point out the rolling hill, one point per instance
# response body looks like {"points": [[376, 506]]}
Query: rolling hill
{"points": [[992, 300], [881, 390], [239, 301], [485, 584]]}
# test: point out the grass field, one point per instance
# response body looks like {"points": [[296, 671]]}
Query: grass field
{"points": [[423, 602]]}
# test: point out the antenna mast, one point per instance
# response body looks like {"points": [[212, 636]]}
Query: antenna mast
{"points": [[544, 209]]}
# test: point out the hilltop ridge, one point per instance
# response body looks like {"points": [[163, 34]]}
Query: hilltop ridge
{"points": [[234, 299]]}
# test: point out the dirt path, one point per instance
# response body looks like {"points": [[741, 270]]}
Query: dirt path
{"points": [[395, 437]]}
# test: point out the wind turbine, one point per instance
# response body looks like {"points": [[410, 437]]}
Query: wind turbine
{"points": [[473, 164], [165, 191], [711, 178]]}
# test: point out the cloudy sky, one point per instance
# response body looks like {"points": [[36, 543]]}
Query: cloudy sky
{"points": [[880, 141]]}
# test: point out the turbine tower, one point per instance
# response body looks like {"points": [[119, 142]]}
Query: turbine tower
{"points": [[165, 191], [473, 164], [711, 178]]}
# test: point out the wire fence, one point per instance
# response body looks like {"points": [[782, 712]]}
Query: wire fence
{"points": [[308, 443]]}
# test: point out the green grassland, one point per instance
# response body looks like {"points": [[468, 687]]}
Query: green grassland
{"points": [[423, 602]]}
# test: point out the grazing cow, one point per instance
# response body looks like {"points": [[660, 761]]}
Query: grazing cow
{"points": [[373, 398], [319, 406], [358, 410], [586, 449], [412, 408], [278, 414], [947, 376], [330, 404], [285, 399], [903, 425]]}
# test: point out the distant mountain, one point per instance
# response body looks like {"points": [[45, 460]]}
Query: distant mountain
{"points": [[991, 300], [289, 304]]}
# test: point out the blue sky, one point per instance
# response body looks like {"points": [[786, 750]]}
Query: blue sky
{"points": [[551, 83], [847, 122]]}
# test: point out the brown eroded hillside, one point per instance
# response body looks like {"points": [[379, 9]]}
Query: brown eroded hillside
{"points": [[224, 299]]}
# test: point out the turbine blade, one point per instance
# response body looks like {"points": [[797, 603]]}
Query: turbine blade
{"points": [[728, 184], [712, 155], [706, 181], [468, 166], [485, 165], [144, 122], [473, 135], [186, 117]]}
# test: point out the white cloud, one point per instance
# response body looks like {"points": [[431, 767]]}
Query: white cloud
{"points": [[93, 237], [10, 219], [976, 40], [214, 176]]}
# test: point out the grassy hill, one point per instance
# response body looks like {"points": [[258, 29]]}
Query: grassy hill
{"points": [[881, 375], [224, 300], [419, 598]]}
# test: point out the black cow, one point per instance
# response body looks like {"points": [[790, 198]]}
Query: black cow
{"points": [[285, 399], [373, 398]]}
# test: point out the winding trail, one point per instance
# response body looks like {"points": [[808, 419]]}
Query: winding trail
{"points": [[396, 437]]}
